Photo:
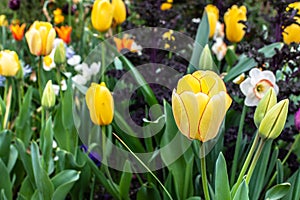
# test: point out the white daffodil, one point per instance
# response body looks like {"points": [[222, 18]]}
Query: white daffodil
{"points": [[219, 32], [74, 60], [48, 61], [257, 85], [219, 48], [63, 85]]}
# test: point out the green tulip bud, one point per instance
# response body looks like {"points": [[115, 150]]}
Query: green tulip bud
{"points": [[273, 122], [48, 98], [264, 105], [60, 54]]}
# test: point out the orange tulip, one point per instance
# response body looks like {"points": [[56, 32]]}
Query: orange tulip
{"points": [[17, 31], [124, 43], [64, 33]]}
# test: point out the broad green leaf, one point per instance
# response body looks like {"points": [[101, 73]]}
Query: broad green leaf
{"points": [[206, 61], [269, 50], [148, 193], [222, 189], [5, 141], [63, 182], [67, 106], [242, 192], [279, 169], [23, 125], [194, 198], [2, 195], [46, 144], [125, 181], [42, 181], [5, 183], [26, 190], [294, 192], [278, 191], [13, 156], [200, 41], [272, 164], [230, 57]]}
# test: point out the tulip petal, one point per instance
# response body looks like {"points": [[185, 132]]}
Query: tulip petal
{"points": [[188, 83], [104, 105], [34, 42], [50, 40], [202, 100], [180, 114], [213, 116], [90, 101]]}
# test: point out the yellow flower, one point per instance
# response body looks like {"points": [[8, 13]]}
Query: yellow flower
{"points": [[199, 105], [234, 28], [119, 11], [213, 16], [3, 21], [102, 15], [291, 33], [273, 122], [58, 17], [100, 104], [40, 38], [9, 63]]}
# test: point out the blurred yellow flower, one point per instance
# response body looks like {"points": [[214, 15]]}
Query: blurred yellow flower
{"points": [[213, 16], [3, 21], [234, 27], [119, 11], [40, 38], [58, 17], [102, 15], [9, 63], [17, 31], [291, 33], [166, 5], [199, 105], [100, 104]]}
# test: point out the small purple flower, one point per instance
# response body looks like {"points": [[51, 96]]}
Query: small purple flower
{"points": [[14, 4], [2, 81], [27, 70], [69, 52], [297, 120], [96, 158]]}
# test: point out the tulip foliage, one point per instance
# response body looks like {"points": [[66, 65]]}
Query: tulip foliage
{"points": [[115, 99]]}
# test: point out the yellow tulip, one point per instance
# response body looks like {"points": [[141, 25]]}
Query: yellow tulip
{"points": [[291, 33], [100, 104], [40, 38], [234, 28], [199, 105], [9, 63], [119, 11], [213, 16], [274, 121], [3, 20], [102, 15]]}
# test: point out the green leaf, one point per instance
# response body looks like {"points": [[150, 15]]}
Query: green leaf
{"points": [[26, 190], [278, 191], [242, 192], [200, 41], [13, 156], [67, 108], [294, 192], [279, 169], [230, 57], [5, 141], [125, 181], [206, 61], [222, 189], [3, 196], [42, 181], [23, 125], [194, 198], [46, 144], [269, 50], [5, 183], [148, 193], [63, 182]]}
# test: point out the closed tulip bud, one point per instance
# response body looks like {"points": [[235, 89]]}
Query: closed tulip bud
{"points": [[60, 54], [100, 104], [9, 63], [119, 11], [40, 38], [213, 16], [199, 105], [234, 27], [274, 121], [102, 15], [48, 97], [264, 105]]}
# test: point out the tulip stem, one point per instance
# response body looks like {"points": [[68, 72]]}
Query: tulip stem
{"points": [[246, 164], [238, 145], [144, 165], [40, 77], [255, 159], [204, 175]]}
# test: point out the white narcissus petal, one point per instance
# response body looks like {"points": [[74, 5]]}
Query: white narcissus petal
{"points": [[255, 75], [251, 100], [79, 79], [246, 87], [269, 76]]}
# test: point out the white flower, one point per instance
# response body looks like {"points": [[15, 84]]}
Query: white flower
{"points": [[74, 60], [136, 48], [219, 32], [219, 48], [79, 79], [63, 85], [86, 72], [48, 61], [256, 85]]}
